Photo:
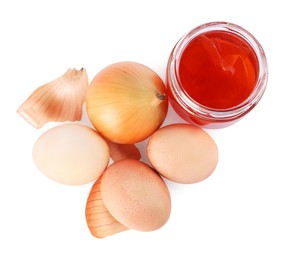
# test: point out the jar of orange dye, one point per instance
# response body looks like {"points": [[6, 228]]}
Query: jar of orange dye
{"points": [[216, 74]]}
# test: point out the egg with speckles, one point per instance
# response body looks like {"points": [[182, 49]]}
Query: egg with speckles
{"points": [[135, 195], [182, 153]]}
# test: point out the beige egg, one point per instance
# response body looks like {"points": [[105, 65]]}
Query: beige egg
{"points": [[136, 195], [71, 154], [182, 153]]}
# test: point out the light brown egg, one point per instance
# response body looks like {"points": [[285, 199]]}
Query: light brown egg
{"points": [[136, 195], [71, 154], [182, 153]]}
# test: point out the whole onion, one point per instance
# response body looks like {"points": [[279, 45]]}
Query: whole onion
{"points": [[126, 102]]}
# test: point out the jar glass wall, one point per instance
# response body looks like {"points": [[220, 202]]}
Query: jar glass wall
{"points": [[216, 74]]}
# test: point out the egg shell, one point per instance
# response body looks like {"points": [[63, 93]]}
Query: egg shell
{"points": [[71, 154], [136, 195], [182, 153]]}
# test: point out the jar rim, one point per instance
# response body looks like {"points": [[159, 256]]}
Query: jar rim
{"points": [[204, 112]]}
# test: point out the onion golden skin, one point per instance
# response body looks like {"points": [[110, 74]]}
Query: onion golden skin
{"points": [[127, 102]]}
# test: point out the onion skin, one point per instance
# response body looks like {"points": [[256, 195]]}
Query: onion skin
{"points": [[57, 101], [126, 102], [123, 151], [99, 221]]}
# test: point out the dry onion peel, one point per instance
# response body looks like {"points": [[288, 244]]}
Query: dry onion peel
{"points": [[123, 151], [59, 100], [126, 102], [99, 221]]}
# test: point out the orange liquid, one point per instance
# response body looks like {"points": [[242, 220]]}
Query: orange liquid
{"points": [[218, 70]]}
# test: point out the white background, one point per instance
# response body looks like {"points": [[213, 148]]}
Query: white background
{"points": [[245, 210]]}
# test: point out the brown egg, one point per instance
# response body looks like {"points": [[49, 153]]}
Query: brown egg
{"points": [[135, 195], [182, 153]]}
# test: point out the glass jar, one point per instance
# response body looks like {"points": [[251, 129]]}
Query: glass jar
{"points": [[216, 74]]}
